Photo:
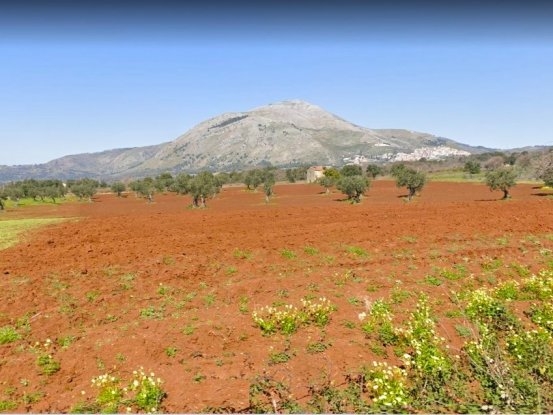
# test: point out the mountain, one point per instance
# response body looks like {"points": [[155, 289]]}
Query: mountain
{"points": [[105, 164], [284, 134]]}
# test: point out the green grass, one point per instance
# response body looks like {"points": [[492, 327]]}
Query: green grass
{"points": [[7, 405], [455, 176], [356, 251], [8, 334], [29, 201], [171, 351], [310, 250], [288, 253], [12, 229]]}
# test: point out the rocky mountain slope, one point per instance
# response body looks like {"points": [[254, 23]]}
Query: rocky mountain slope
{"points": [[287, 133]]}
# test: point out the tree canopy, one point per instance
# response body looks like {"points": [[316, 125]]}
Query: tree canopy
{"points": [[353, 187], [144, 188], [502, 178], [544, 168], [547, 177], [32, 188], [84, 188], [118, 188], [351, 170], [472, 167], [327, 182], [253, 178], [413, 180], [298, 173], [163, 182], [373, 170], [268, 183], [201, 186]]}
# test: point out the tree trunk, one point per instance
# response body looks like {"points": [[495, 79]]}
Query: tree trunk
{"points": [[411, 194], [505, 194]]}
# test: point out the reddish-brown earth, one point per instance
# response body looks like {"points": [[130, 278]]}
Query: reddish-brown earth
{"points": [[90, 278]]}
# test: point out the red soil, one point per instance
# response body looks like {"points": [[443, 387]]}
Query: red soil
{"points": [[90, 278]]}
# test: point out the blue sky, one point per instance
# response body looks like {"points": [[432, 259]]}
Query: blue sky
{"points": [[98, 77]]}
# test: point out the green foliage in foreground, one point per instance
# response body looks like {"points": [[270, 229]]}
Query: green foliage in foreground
{"points": [[289, 318], [504, 363], [8, 334], [11, 230], [143, 393]]}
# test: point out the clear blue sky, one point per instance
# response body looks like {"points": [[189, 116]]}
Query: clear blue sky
{"points": [[99, 76]]}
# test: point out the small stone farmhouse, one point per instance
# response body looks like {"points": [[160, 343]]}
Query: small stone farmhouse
{"points": [[314, 173]]}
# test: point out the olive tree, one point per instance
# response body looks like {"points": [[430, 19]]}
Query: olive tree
{"points": [[327, 182], [268, 183], [298, 173], [373, 170], [547, 177], [203, 186], [163, 182], [472, 167], [413, 180], [502, 179], [351, 170], [253, 179], [118, 188], [353, 187], [329, 179], [181, 184], [31, 188], [544, 168], [15, 192], [84, 188], [397, 169], [3, 197], [144, 188]]}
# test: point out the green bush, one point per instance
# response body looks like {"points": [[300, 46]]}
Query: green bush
{"points": [[8, 334]]}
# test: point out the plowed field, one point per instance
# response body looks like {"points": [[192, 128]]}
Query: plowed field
{"points": [[127, 284]]}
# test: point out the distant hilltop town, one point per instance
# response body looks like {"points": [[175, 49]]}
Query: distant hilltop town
{"points": [[428, 153]]}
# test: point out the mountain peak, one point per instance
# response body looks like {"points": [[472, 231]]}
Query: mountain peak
{"points": [[293, 104], [284, 133]]}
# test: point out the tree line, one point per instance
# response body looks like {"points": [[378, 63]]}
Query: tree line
{"points": [[353, 182], [501, 173], [50, 189], [201, 186]]}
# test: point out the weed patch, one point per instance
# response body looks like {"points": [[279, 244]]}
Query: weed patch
{"points": [[8, 334], [144, 392], [288, 318]]}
